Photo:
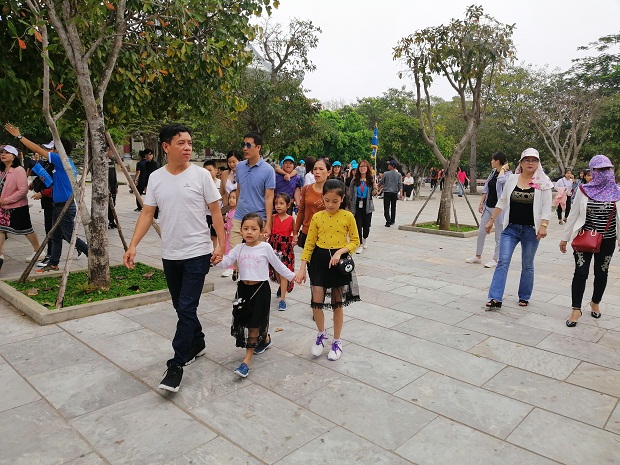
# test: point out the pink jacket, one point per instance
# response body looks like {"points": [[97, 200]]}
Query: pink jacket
{"points": [[15, 190], [560, 198]]}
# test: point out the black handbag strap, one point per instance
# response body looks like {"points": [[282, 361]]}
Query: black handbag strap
{"points": [[611, 215]]}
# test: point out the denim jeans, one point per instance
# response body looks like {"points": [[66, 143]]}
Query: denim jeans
{"points": [[511, 236], [185, 280], [64, 231]]}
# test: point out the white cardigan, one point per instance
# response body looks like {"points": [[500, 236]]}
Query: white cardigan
{"points": [[542, 202], [577, 217]]}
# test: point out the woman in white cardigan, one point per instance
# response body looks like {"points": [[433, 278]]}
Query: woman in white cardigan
{"points": [[526, 203], [595, 208]]}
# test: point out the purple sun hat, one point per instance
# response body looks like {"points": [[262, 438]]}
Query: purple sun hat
{"points": [[603, 187]]}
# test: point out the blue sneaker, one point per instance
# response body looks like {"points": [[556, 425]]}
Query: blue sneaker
{"points": [[243, 370], [282, 306], [263, 346]]}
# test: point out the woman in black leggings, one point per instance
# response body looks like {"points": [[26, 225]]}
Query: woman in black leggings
{"points": [[595, 208]]}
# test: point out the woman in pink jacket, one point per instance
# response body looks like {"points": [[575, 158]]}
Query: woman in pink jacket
{"points": [[14, 210]]}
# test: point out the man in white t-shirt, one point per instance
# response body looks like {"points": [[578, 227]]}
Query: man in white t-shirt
{"points": [[184, 193]]}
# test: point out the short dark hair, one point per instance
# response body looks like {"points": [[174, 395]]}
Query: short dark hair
{"points": [[284, 196], [500, 157], [67, 144], [234, 153], [146, 152], [209, 163], [337, 186], [167, 133], [253, 216], [328, 165], [258, 139], [14, 164]]}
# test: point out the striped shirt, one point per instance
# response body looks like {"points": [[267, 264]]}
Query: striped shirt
{"points": [[597, 216]]}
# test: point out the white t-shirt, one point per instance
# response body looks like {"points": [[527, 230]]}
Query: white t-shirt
{"points": [[254, 262], [182, 200], [309, 179]]}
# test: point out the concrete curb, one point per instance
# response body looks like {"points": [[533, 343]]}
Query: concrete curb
{"points": [[437, 232], [44, 316]]}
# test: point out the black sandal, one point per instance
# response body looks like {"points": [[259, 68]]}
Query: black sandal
{"points": [[572, 324], [523, 303], [494, 304], [593, 313]]}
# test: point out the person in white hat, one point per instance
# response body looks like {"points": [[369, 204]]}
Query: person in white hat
{"points": [[526, 203], [61, 194], [14, 210]]}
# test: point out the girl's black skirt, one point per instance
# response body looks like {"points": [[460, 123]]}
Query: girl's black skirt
{"points": [[254, 313], [342, 287]]}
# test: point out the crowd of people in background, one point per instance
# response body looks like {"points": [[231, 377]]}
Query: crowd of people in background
{"points": [[248, 216]]}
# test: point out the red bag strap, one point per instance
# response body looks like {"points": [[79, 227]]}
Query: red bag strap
{"points": [[613, 210]]}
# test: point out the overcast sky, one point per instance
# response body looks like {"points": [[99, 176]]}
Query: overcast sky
{"points": [[354, 55]]}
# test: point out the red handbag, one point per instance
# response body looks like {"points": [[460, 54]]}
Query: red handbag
{"points": [[588, 240]]}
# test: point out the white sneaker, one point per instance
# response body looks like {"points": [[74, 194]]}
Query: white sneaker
{"points": [[336, 350], [365, 243], [227, 273], [28, 258], [360, 249], [473, 260], [319, 345], [490, 264]]}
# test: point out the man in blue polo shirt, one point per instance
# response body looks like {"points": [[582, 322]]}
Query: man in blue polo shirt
{"points": [[60, 195], [256, 181]]}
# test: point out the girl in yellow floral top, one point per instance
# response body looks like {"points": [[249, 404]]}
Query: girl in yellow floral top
{"points": [[332, 234]]}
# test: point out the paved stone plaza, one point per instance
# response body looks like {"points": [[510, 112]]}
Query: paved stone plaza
{"points": [[426, 377]]}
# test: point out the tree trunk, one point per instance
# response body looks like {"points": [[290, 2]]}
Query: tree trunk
{"points": [[445, 202], [473, 166], [98, 258]]}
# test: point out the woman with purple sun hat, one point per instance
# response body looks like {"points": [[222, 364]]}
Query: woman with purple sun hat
{"points": [[595, 208]]}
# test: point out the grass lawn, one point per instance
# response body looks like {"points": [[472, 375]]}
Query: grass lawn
{"points": [[123, 282], [462, 228]]}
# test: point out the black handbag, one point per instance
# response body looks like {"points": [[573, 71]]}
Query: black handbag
{"points": [[346, 265]]}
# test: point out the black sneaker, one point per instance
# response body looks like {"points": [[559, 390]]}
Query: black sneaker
{"points": [[172, 379], [44, 262], [196, 351]]}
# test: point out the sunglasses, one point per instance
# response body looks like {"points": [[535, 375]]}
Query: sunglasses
{"points": [[247, 145]]}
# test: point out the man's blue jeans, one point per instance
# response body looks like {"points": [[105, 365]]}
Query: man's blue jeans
{"points": [[511, 236], [64, 231], [185, 280]]}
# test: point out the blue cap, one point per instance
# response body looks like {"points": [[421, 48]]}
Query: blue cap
{"points": [[287, 158], [354, 165], [336, 163], [301, 162]]}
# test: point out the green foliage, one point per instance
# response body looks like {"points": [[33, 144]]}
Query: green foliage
{"points": [[602, 71], [124, 282], [605, 132]]}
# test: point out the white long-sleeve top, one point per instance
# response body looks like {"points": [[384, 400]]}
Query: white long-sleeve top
{"points": [[542, 202], [254, 261]]}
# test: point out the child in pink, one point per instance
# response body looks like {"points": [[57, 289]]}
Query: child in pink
{"points": [[228, 224]]}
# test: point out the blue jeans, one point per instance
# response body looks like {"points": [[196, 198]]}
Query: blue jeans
{"points": [[511, 236], [64, 231], [185, 280]]}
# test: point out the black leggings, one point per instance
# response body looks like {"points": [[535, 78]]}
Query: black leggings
{"points": [[362, 219], [602, 260], [566, 211]]}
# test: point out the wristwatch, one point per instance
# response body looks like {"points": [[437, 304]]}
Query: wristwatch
{"points": [[19, 136]]}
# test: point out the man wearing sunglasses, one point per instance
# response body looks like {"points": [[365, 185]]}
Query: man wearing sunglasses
{"points": [[256, 182]]}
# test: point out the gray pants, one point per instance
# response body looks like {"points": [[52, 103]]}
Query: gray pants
{"points": [[482, 234]]}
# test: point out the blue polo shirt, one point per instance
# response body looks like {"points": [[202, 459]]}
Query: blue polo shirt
{"points": [[62, 185], [253, 182], [289, 186]]}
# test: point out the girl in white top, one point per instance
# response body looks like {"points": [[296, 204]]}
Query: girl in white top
{"points": [[251, 318]]}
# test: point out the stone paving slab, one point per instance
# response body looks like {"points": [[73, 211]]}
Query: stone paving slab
{"points": [[427, 375]]}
